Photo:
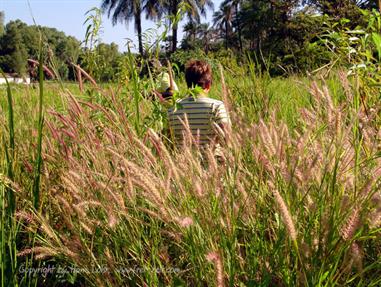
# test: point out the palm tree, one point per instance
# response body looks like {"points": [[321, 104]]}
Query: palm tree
{"points": [[207, 35], [223, 19], [195, 8], [190, 30], [237, 7], [126, 11]]}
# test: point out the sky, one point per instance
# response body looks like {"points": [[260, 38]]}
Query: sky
{"points": [[68, 16]]}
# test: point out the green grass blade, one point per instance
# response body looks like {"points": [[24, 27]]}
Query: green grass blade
{"points": [[9, 152], [38, 163]]}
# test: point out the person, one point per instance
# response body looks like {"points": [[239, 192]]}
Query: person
{"points": [[207, 118], [164, 89]]}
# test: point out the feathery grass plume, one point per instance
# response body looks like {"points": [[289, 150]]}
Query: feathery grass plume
{"points": [[25, 216], [74, 106], [86, 227], [85, 204], [184, 222], [112, 220], [145, 151], [266, 138], [264, 161], [25, 252], [374, 218], [284, 212], [187, 137], [111, 195], [74, 189], [142, 178], [48, 229], [349, 229], [164, 154], [67, 212], [80, 211], [338, 123], [43, 252], [346, 85], [215, 258], [199, 190], [357, 254]]}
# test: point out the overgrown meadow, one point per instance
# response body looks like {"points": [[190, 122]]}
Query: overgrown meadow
{"points": [[93, 193]]}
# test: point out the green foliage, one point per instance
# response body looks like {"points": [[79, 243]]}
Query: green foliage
{"points": [[22, 42], [348, 9], [128, 203], [359, 50], [36, 194], [13, 55], [92, 40], [132, 10]]}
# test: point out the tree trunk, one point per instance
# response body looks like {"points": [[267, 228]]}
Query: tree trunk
{"points": [[138, 23], [379, 5], [174, 38], [226, 35], [239, 26], [174, 26]]}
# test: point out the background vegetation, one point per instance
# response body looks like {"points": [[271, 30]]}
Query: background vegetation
{"points": [[285, 37]]}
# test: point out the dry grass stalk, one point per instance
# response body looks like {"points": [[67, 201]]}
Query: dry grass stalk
{"points": [[215, 258]]}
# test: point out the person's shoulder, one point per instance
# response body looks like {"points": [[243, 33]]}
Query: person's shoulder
{"points": [[186, 100], [178, 102]]}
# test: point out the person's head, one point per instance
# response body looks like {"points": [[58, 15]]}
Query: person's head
{"points": [[198, 73]]}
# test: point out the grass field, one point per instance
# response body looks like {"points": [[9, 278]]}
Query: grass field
{"points": [[297, 203]]}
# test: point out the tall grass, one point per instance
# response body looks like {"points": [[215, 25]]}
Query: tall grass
{"points": [[14, 163], [8, 202], [38, 162], [10, 152], [135, 86], [295, 204], [297, 201]]}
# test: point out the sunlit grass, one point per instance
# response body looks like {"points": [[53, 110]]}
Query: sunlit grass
{"points": [[297, 202]]}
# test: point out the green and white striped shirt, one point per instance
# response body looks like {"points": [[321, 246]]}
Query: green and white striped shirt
{"points": [[202, 114]]}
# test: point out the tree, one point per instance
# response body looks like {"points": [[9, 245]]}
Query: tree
{"points": [[195, 9], [126, 11], [108, 60], [223, 19], [13, 55], [340, 9], [207, 36], [190, 40], [237, 22]]}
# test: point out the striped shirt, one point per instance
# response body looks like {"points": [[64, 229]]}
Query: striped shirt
{"points": [[202, 114]]}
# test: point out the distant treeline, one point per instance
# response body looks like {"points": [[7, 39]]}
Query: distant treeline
{"points": [[283, 36], [20, 42]]}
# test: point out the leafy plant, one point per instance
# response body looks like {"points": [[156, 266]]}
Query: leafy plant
{"points": [[92, 40]]}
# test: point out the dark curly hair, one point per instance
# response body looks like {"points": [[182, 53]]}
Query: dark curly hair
{"points": [[198, 73]]}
